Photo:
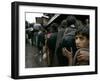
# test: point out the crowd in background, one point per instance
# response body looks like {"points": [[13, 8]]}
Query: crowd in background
{"points": [[66, 44]]}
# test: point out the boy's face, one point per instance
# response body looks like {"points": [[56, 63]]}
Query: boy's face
{"points": [[81, 41]]}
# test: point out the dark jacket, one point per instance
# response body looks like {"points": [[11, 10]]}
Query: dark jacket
{"points": [[68, 42]]}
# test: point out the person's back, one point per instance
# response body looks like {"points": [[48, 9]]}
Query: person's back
{"points": [[41, 40], [51, 42], [67, 40], [58, 58]]}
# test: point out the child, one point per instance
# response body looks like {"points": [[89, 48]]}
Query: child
{"points": [[81, 56]]}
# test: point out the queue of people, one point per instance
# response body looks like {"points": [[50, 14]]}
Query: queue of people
{"points": [[66, 44]]}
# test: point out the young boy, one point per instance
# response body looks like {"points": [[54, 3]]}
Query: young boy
{"points": [[81, 56]]}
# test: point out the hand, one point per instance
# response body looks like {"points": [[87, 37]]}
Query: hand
{"points": [[83, 56], [67, 53]]}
